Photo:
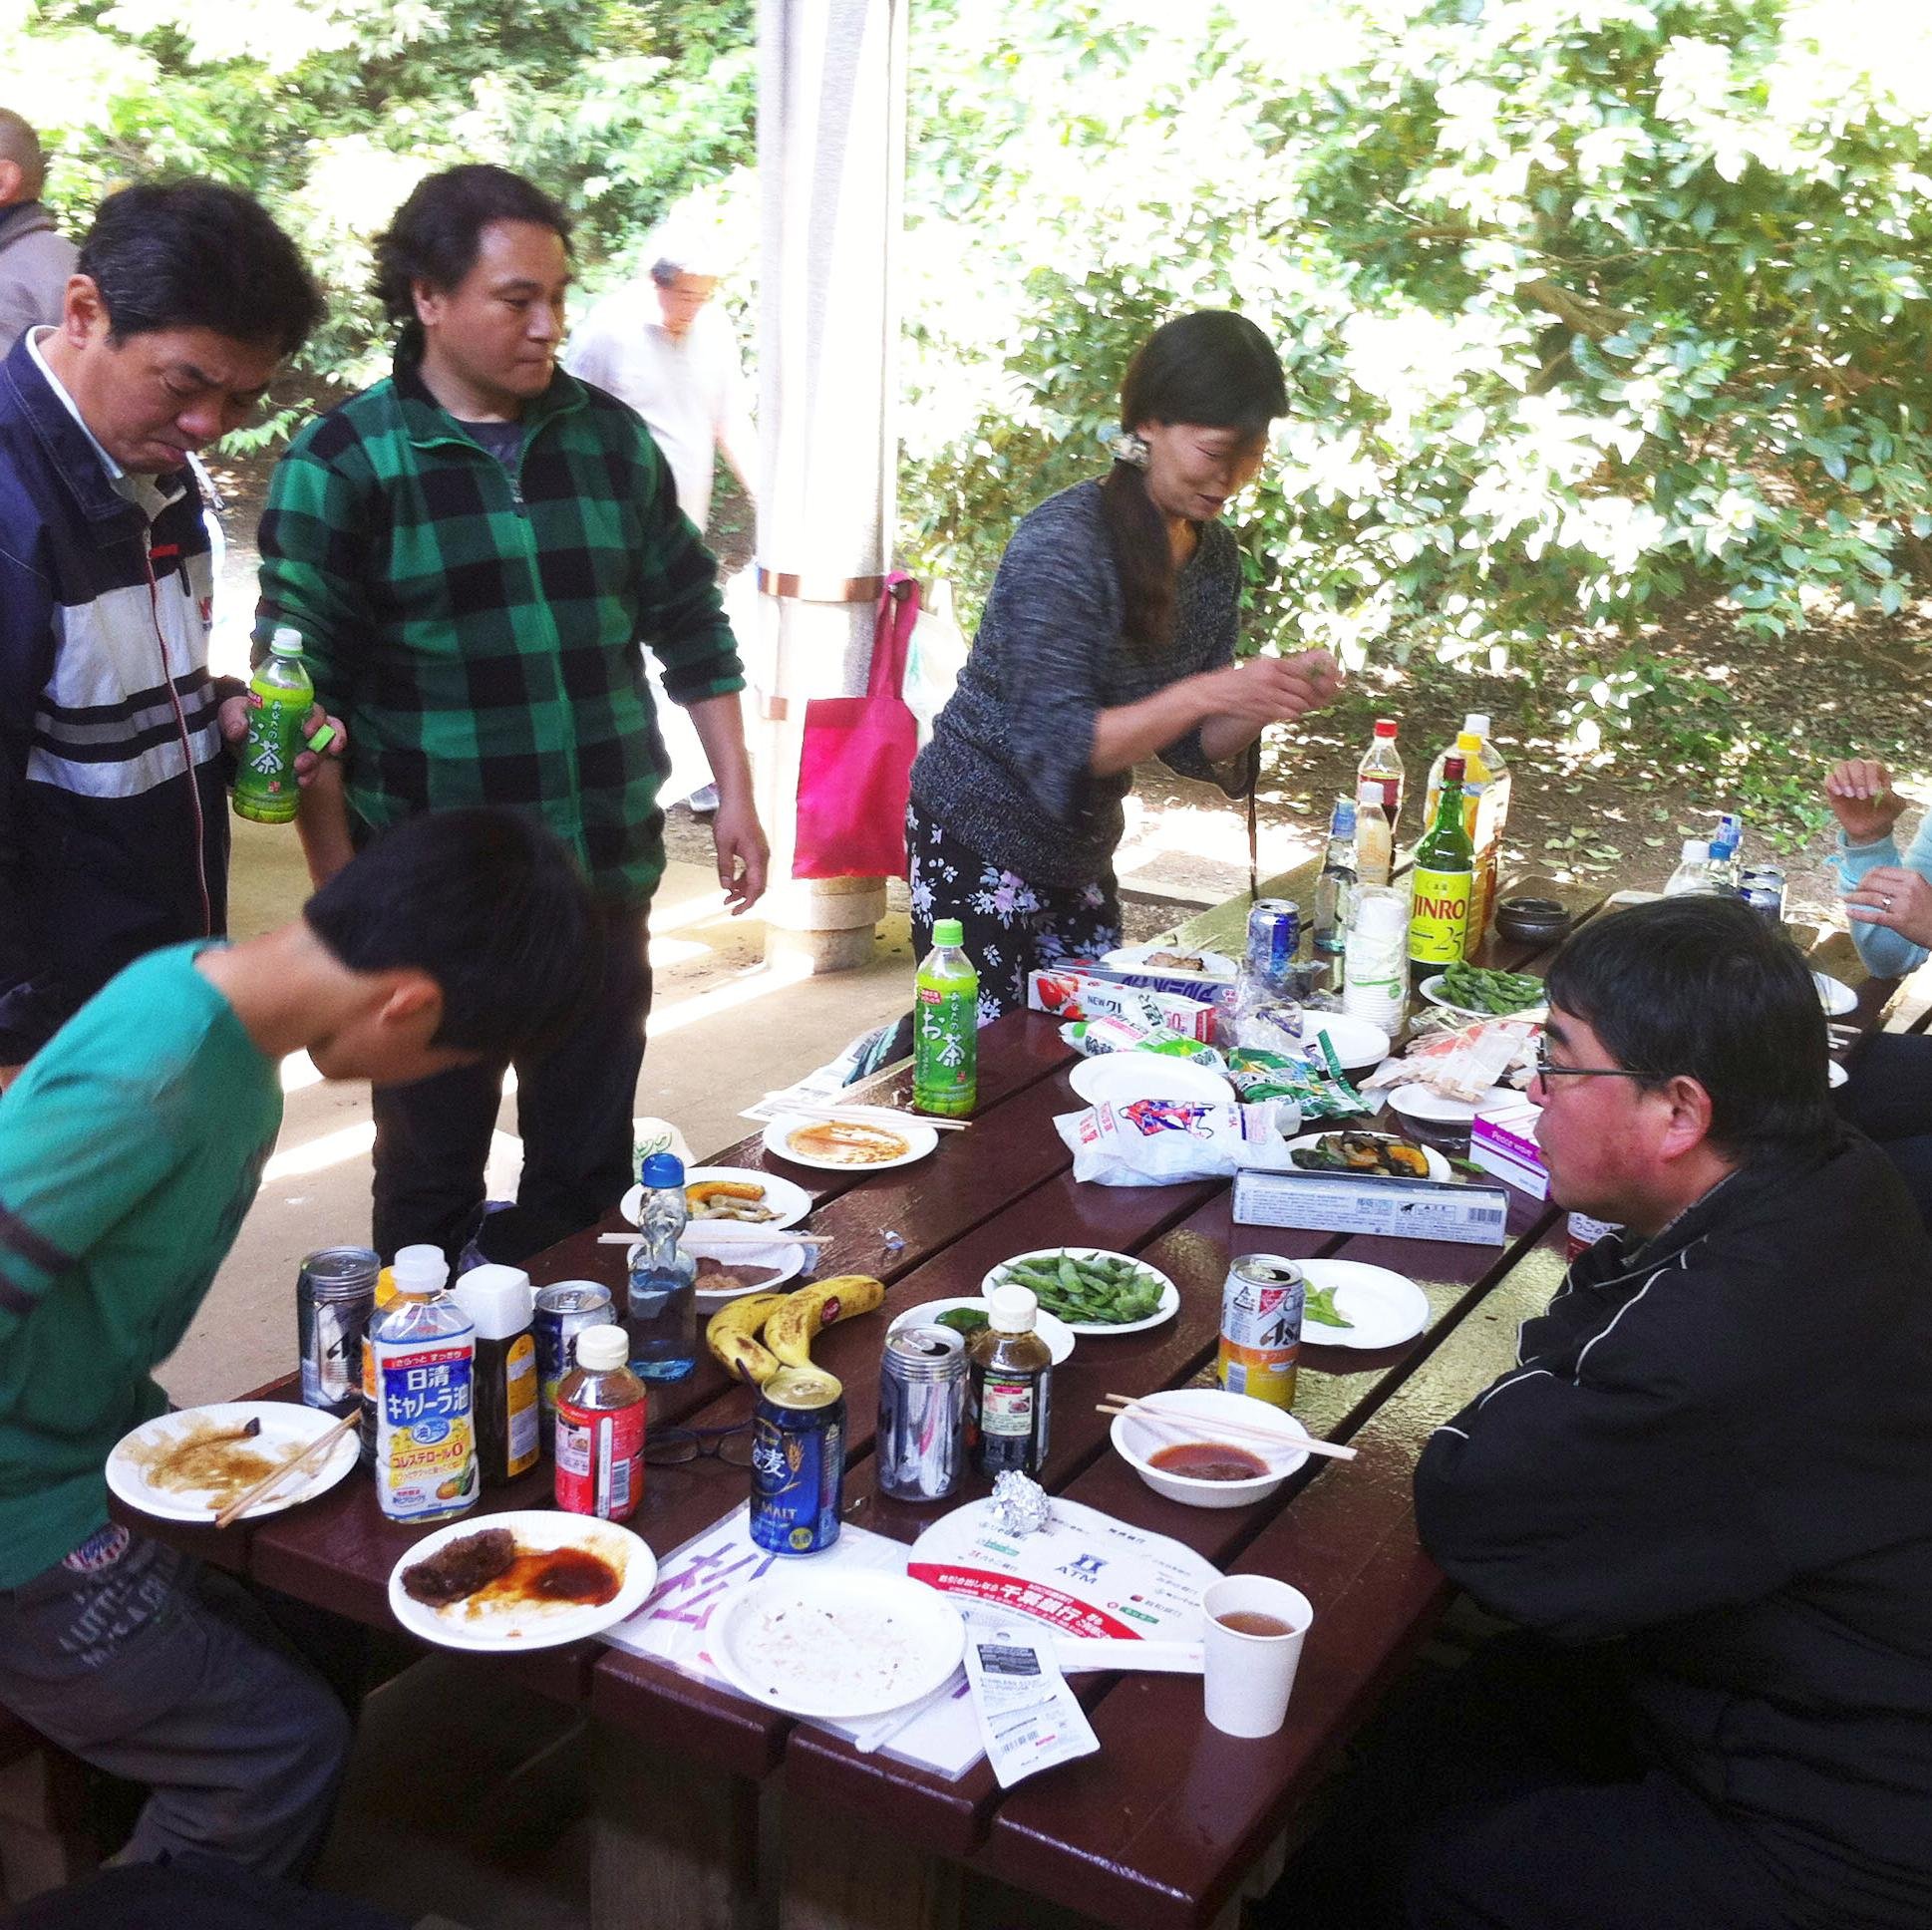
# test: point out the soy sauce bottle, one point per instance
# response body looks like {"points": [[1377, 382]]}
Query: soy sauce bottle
{"points": [[1012, 1384]]}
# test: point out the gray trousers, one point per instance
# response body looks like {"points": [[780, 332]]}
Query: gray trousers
{"points": [[133, 1658]]}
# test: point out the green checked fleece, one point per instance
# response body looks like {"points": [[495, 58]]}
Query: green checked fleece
{"points": [[477, 629]]}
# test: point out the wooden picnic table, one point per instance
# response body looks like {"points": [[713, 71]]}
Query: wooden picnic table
{"points": [[1170, 1824]]}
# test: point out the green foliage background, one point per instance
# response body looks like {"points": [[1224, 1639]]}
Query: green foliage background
{"points": [[1595, 310]]}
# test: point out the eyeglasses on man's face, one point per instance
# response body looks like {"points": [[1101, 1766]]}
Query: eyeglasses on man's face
{"points": [[1546, 1072]]}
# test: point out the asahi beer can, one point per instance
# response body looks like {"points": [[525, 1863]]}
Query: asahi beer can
{"points": [[561, 1313], [1261, 1309], [922, 1413], [1274, 937], [797, 1462], [1761, 887], [335, 1294]]}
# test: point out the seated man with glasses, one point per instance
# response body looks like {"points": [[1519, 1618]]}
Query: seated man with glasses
{"points": [[1703, 1496]]}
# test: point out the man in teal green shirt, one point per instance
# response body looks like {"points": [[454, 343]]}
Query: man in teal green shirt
{"points": [[129, 1150]]}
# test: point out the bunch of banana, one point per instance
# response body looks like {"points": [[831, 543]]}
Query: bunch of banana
{"points": [[790, 1323]]}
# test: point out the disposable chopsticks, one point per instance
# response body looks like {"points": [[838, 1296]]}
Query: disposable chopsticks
{"points": [[728, 1232], [776, 1106], [315, 1452], [1201, 1428]]}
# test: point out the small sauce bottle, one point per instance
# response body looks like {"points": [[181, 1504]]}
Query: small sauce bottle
{"points": [[600, 1428], [1012, 1380], [501, 1304]]}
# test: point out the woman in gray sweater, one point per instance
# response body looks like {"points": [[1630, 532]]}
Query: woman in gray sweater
{"points": [[1108, 637]]}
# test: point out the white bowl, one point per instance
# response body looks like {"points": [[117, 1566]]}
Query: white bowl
{"points": [[1357, 1043], [1134, 1440]]}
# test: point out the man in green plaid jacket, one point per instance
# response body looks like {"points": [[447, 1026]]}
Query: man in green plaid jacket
{"points": [[473, 549]]}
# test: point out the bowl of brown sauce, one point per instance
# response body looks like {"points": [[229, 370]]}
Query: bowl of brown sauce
{"points": [[1219, 1449]]}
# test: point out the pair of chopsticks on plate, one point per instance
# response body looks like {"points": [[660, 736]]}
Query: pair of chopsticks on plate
{"points": [[775, 1106], [1199, 1427], [730, 1233], [306, 1462]]}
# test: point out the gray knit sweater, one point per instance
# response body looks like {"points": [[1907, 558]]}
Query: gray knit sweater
{"points": [[1007, 771]]}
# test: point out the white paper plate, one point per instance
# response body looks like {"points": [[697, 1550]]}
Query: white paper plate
{"points": [[286, 1428], [784, 1258], [1431, 990], [786, 1197], [837, 1643], [1357, 1043], [511, 1627], [919, 1141], [1834, 993], [1386, 1308], [1056, 1333], [1835, 1074], [1170, 1293], [1133, 958], [1416, 1101], [1438, 1168], [1122, 1077]]}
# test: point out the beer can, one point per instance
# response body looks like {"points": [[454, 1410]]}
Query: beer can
{"points": [[797, 1462], [1761, 887], [335, 1294], [922, 1413], [561, 1313], [1261, 1309], [1274, 937]]}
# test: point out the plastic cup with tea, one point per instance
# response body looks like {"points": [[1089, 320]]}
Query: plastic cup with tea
{"points": [[1251, 1634]]}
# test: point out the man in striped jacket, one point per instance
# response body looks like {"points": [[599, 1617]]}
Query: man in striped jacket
{"points": [[114, 837]]}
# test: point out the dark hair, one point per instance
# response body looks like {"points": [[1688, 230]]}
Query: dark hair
{"points": [[1212, 367], [1701, 987], [491, 905], [435, 234], [197, 255]]}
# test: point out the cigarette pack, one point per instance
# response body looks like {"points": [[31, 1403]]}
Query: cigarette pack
{"points": [[1356, 1202], [1080, 994], [1503, 1140]]}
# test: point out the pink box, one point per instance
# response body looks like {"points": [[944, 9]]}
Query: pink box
{"points": [[1503, 1140], [1073, 995]]}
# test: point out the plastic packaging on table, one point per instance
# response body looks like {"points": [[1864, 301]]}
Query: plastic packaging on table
{"points": [[1463, 1064], [1161, 1142], [1091, 1038], [1310, 1077]]}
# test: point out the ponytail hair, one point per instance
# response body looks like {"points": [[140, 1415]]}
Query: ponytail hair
{"points": [[1215, 368]]}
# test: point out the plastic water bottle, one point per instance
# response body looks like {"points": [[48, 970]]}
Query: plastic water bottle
{"points": [[1382, 762], [1336, 885], [661, 1316], [945, 1026], [1726, 850], [265, 787], [1693, 873]]}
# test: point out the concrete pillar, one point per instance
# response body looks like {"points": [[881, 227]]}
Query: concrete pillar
{"points": [[831, 161]]}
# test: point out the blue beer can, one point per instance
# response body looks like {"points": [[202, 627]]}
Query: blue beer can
{"points": [[797, 1462], [1274, 937]]}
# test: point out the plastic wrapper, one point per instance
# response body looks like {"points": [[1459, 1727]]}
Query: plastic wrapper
{"points": [[1461, 1062], [1093, 1036], [1161, 1142], [1309, 1077]]}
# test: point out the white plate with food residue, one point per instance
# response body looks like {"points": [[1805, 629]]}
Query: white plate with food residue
{"points": [[529, 1578], [733, 1192], [838, 1643], [189, 1466]]}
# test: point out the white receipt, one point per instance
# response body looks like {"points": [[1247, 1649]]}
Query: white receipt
{"points": [[1028, 1719]]}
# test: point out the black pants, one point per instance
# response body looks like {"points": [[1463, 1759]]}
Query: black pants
{"points": [[573, 1113], [1889, 1100], [1508, 1798]]}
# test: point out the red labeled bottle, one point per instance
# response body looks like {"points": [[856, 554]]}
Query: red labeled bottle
{"points": [[600, 1428]]}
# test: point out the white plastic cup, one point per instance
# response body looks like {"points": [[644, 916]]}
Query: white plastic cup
{"points": [[1248, 1677]]}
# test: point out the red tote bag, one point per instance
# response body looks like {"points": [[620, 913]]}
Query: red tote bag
{"points": [[855, 764]]}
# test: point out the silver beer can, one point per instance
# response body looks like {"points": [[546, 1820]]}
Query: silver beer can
{"points": [[335, 1295], [921, 1443]]}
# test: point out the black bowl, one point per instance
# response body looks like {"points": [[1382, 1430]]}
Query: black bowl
{"points": [[1533, 921]]}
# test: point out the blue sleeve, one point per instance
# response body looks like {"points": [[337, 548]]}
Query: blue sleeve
{"points": [[1886, 954], [25, 663]]}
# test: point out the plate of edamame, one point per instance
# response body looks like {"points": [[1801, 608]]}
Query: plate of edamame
{"points": [[1092, 1290]]}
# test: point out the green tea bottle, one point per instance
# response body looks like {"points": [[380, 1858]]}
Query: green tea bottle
{"points": [[1442, 882], [945, 1026], [265, 787]]}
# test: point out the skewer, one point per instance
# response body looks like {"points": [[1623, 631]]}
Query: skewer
{"points": [[307, 1458], [782, 1107], [1201, 1428]]}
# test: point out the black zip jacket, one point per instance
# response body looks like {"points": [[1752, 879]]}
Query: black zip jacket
{"points": [[1716, 1453]]}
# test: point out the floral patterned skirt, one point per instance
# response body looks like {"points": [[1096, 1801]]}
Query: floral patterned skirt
{"points": [[1011, 928]]}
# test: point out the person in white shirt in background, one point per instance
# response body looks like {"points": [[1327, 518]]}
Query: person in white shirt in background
{"points": [[664, 346]]}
